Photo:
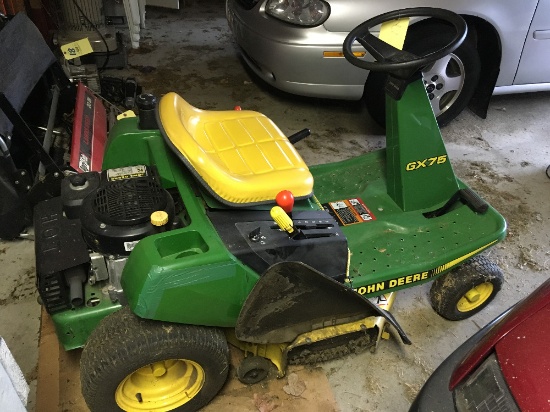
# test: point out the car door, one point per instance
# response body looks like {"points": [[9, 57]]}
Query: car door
{"points": [[534, 66]]}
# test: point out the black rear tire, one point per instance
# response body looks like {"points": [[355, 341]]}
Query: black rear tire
{"points": [[478, 276], [123, 344], [421, 39]]}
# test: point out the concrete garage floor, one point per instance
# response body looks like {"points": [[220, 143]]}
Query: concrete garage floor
{"points": [[503, 158]]}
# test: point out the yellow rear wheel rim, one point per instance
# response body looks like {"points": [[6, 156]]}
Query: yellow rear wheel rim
{"points": [[475, 297], [160, 386]]}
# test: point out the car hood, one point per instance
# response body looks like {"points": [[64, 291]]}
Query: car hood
{"points": [[346, 14], [525, 362]]}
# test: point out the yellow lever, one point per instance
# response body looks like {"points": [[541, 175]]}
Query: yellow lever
{"points": [[282, 219]]}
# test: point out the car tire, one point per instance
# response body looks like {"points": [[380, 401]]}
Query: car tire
{"points": [[131, 363], [457, 74], [467, 289]]}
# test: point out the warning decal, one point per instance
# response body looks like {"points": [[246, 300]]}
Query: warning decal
{"points": [[350, 211]]}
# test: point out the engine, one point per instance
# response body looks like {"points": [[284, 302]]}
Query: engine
{"points": [[87, 234]]}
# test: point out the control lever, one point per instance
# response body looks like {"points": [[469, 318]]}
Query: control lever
{"points": [[285, 223], [285, 199]]}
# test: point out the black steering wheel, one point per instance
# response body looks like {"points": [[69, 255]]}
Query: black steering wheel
{"points": [[390, 59]]}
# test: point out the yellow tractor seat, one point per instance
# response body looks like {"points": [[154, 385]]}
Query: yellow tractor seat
{"points": [[241, 157]]}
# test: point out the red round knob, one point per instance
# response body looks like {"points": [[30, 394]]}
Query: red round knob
{"points": [[237, 108], [285, 199]]}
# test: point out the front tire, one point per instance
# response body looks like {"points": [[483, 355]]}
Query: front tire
{"points": [[450, 82], [136, 364], [467, 289]]}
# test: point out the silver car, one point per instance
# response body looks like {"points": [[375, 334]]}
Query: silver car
{"points": [[296, 46]]}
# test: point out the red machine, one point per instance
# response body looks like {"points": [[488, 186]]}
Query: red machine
{"points": [[89, 131]]}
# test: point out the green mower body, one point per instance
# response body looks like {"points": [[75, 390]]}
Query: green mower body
{"points": [[187, 240], [394, 206]]}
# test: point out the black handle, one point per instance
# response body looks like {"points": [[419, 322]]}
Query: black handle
{"points": [[296, 137], [473, 200]]}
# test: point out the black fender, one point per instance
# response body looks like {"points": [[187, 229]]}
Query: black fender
{"points": [[292, 298]]}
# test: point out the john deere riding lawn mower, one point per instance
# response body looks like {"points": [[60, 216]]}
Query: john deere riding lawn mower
{"points": [[207, 227]]}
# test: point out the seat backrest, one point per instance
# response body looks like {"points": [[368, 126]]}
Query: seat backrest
{"points": [[241, 157]]}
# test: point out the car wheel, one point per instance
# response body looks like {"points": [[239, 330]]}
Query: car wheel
{"points": [[450, 82], [134, 364], [467, 289]]}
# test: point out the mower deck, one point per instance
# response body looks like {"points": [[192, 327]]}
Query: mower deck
{"points": [[391, 249]]}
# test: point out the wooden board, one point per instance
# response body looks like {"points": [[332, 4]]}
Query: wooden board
{"points": [[304, 389]]}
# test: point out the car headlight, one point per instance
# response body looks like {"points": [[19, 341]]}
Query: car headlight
{"points": [[302, 12], [485, 390]]}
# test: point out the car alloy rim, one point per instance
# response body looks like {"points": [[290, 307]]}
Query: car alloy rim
{"points": [[443, 81], [475, 297], [160, 386]]}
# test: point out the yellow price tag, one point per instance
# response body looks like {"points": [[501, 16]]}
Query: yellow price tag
{"points": [[127, 114], [394, 32], [77, 48]]}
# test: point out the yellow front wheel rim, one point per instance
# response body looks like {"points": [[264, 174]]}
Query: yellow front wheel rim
{"points": [[160, 386], [475, 297]]}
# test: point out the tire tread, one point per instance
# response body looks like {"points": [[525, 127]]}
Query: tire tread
{"points": [[122, 339], [447, 289]]}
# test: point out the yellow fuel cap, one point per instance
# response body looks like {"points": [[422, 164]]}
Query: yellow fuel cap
{"points": [[159, 218]]}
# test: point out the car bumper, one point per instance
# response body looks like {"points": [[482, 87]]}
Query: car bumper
{"points": [[291, 58], [435, 394]]}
